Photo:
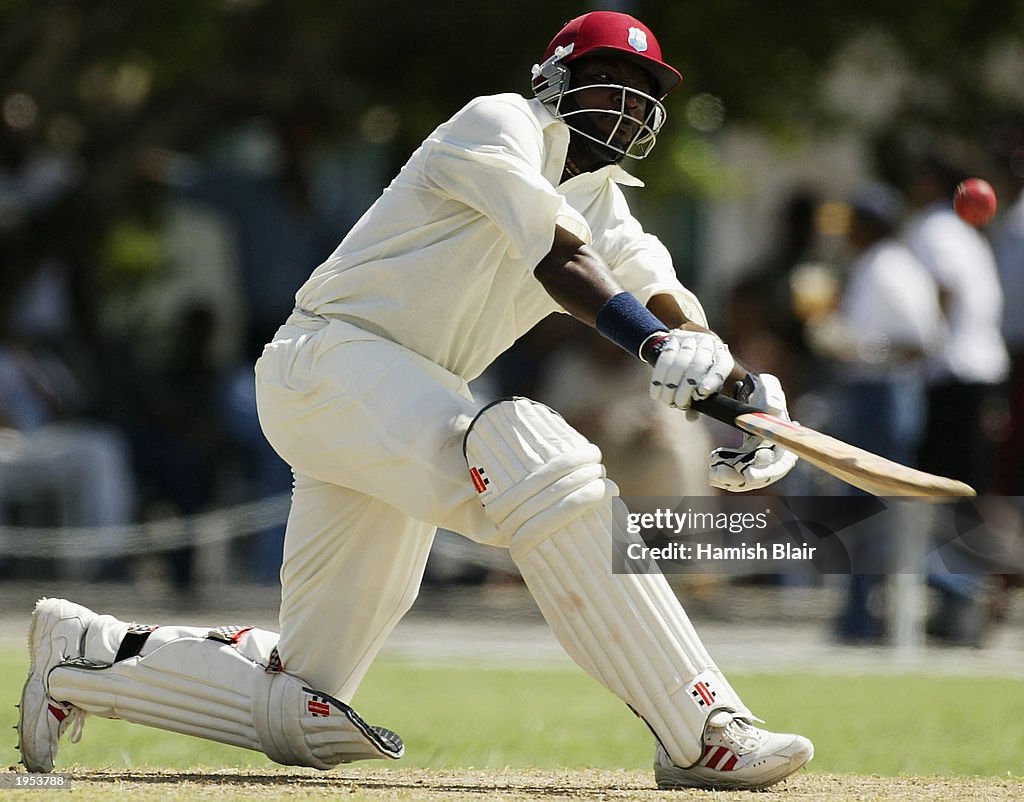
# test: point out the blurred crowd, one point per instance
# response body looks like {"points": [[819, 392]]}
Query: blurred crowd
{"points": [[126, 352], [126, 388], [896, 326]]}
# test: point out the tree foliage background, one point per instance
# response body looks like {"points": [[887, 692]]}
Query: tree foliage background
{"points": [[112, 79]]}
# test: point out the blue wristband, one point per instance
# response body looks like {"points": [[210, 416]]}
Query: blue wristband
{"points": [[627, 322]]}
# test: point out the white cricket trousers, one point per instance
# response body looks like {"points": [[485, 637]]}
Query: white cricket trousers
{"points": [[373, 432]]}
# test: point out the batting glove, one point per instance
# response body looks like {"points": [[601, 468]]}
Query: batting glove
{"points": [[757, 462], [690, 364]]}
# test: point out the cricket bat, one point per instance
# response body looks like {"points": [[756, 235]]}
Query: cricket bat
{"points": [[870, 472]]}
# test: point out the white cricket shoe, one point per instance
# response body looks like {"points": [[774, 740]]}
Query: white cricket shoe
{"points": [[737, 756], [55, 635]]}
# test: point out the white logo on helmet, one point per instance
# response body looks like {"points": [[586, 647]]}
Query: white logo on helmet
{"points": [[637, 40]]}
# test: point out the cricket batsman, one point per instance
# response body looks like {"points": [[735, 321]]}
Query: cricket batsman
{"points": [[509, 211]]}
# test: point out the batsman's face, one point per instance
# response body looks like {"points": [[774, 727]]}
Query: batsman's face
{"points": [[611, 107], [606, 84]]}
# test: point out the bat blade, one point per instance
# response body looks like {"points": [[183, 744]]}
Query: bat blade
{"points": [[869, 472], [862, 469]]}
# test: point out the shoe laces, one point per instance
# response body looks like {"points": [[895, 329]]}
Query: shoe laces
{"points": [[74, 723], [726, 729]]}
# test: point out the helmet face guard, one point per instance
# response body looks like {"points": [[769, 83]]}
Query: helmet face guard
{"points": [[614, 129]]}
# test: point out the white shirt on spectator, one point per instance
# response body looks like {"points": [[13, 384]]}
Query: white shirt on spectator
{"points": [[961, 262], [890, 304]]}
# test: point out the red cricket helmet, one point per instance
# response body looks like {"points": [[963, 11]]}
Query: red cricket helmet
{"points": [[614, 33]]}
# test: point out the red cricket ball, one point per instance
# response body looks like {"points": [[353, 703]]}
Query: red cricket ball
{"points": [[975, 201]]}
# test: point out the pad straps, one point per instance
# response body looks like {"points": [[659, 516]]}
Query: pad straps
{"points": [[133, 641]]}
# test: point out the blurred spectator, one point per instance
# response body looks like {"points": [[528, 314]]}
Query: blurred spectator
{"points": [[59, 463], [1008, 245], [763, 326], [886, 325], [36, 182], [178, 439], [156, 256], [969, 367], [58, 466], [39, 282], [280, 196], [965, 374]]}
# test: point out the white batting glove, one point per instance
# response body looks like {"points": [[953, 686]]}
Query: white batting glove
{"points": [[757, 462], [690, 364]]}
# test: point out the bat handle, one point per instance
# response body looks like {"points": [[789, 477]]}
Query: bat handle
{"points": [[722, 408]]}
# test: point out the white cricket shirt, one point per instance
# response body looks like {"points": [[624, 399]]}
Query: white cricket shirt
{"points": [[443, 261], [961, 262]]}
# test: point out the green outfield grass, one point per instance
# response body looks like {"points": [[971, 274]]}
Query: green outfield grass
{"points": [[551, 717]]}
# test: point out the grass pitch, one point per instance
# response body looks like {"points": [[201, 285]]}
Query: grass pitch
{"points": [[552, 732]]}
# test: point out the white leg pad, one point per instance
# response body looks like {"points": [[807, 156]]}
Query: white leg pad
{"points": [[547, 487], [192, 684]]}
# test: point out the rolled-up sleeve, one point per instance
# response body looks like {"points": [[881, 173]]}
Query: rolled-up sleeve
{"points": [[490, 158], [642, 263]]}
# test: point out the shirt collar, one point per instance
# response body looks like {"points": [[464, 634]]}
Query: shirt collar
{"points": [[620, 176]]}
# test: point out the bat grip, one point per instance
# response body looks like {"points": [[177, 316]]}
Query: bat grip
{"points": [[722, 408]]}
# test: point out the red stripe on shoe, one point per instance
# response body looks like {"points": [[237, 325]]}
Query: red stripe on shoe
{"points": [[714, 756], [723, 759], [730, 764]]}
